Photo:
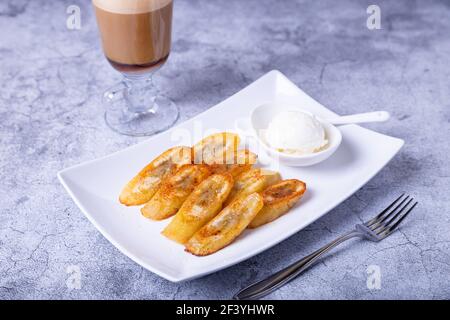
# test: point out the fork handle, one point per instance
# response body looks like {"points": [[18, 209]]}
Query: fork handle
{"points": [[280, 278]]}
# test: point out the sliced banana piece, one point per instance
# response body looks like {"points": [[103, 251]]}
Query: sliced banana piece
{"points": [[144, 185], [278, 199], [216, 146], [253, 180], [201, 206], [226, 226], [174, 190], [242, 161]]}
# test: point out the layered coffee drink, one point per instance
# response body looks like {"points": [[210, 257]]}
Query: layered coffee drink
{"points": [[136, 34]]}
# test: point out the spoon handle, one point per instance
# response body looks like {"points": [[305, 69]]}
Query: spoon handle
{"points": [[376, 116]]}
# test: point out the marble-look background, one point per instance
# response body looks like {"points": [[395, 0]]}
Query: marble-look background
{"points": [[50, 117]]}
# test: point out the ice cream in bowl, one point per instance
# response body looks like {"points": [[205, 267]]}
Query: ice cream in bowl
{"points": [[297, 137]]}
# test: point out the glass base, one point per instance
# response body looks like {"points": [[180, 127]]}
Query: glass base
{"points": [[162, 114]]}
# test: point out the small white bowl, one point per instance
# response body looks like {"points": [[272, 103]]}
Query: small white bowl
{"points": [[258, 122]]}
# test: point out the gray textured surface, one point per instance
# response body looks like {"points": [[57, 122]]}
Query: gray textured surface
{"points": [[50, 118]]}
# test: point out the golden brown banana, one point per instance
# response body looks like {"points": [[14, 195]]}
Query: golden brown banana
{"points": [[226, 226], [278, 199], [200, 207], [144, 185], [253, 180], [243, 161], [174, 190], [216, 146]]}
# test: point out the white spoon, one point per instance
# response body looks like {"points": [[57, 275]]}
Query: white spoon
{"points": [[376, 116], [261, 116]]}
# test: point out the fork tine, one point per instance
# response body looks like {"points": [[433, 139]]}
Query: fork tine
{"points": [[371, 221], [395, 225], [375, 224], [394, 210], [389, 229], [380, 226], [398, 213]]}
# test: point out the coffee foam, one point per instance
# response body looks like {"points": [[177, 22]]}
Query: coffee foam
{"points": [[130, 6]]}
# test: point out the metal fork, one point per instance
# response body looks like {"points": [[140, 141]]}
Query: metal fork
{"points": [[375, 229]]}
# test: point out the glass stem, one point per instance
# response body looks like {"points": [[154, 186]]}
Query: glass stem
{"points": [[140, 93]]}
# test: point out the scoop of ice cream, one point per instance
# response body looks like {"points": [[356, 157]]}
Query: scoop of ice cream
{"points": [[296, 132]]}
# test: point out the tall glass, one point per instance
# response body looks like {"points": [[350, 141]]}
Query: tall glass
{"points": [[136, 39]]}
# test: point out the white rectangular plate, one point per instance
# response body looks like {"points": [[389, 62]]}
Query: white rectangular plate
{"points": [[95, 185]]}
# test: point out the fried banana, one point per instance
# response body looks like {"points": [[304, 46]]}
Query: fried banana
{"points": [[242, 161], [201, 206], [253, 180], [174, 190], [226, 226], [278, 199], [216, 146], [144, 185]]}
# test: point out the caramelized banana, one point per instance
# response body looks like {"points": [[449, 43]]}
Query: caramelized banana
{"points": [[253, 180], [216, 146], [241, 162], [144, 185], [278, 199], [226, 226], [200, 207], [174, 190]]}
